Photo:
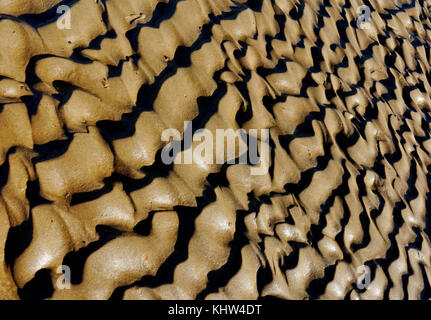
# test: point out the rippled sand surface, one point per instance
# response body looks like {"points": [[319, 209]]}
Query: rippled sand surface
{"points": [[82, 111]]}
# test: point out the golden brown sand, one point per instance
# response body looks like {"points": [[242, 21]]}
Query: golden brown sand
{"points": [[82, 111]]}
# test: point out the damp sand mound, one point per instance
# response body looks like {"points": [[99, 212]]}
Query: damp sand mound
{"points": [[87, 89]]}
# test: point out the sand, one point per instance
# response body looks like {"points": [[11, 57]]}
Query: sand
{"points": [[346, 197]]}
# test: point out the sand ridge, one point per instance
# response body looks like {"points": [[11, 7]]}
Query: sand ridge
{"points": [[82, 111]]}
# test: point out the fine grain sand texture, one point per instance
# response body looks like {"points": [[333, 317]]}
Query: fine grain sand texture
{"points": [[83, 108]]}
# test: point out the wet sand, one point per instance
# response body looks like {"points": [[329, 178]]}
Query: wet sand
{"points": [[83, 185]]}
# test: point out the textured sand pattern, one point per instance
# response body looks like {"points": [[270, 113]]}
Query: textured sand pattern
{"points": [[82, 183]]}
